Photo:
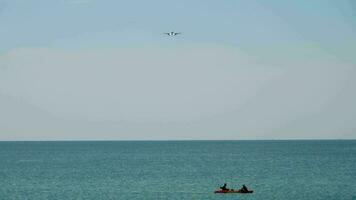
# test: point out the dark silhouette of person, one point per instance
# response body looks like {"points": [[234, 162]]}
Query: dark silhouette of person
{"points": [[224, 187], [244, 188]]}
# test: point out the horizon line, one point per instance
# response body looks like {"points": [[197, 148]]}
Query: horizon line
{"points": [[177, 140]]}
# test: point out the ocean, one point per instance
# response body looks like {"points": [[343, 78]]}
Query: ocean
{"points": [[301, 170]]}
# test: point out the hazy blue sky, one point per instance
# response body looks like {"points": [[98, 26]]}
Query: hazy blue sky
{"points": [[242, 69]]}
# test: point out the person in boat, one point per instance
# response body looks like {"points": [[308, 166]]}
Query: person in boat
{"points": [[244, 189], [224, 187]]}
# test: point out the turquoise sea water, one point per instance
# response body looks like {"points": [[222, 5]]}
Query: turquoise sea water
{"points": [[301, 170]]}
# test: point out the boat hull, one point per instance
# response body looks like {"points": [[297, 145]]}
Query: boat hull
{"points": [[232, 191]]}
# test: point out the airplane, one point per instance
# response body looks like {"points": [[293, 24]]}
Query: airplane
{"points": [[172, 33]]}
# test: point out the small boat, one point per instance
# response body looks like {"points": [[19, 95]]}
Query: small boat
{"points": [[233, 191]]}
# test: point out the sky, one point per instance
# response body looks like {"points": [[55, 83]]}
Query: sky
{"points": [[242, 69]]}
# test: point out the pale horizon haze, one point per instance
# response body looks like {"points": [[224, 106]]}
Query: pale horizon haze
{"points": [[104, 70]]}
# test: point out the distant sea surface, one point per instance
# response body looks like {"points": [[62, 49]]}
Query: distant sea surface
{"points": [[301, 170]]}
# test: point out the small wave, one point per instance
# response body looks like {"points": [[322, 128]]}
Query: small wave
{"points": [[24, 160]]}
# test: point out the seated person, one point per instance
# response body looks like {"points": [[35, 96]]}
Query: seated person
{"points": [[224, 187], [244, 189]]}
